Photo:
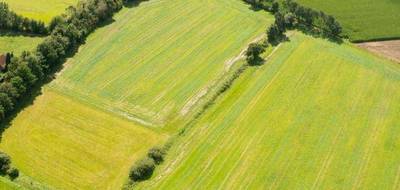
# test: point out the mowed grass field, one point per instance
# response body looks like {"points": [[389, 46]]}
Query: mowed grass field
{"points": [[18, 44], [317, 115], [152, 60], [363, 20], [68, 145], [6, 184], [156, 60], [43, 10]]}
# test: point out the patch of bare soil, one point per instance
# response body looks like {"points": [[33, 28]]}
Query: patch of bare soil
{"points": [[389, 49]]}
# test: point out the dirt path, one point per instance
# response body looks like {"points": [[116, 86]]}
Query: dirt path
{"points": [[388, 49]]}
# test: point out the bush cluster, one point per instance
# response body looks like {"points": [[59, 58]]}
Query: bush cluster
{"points": [[5, 167], [291, 15], [143, 169], [253, 53], [9, 20], [68, 31]]}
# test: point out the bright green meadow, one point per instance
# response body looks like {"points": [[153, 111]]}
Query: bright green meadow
{"points": [[6, 184], [363, 20], [107, 107], [316, 115], [43, 10], [155, 69]]}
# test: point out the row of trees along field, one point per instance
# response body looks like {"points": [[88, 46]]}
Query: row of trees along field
{"points": [[290, 15], [68, 31], [10, 21]]}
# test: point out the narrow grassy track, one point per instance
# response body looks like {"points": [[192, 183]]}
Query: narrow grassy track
{"points": [[154, 69], [43, 10], [317, 115]]}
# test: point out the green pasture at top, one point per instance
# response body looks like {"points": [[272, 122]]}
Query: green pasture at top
{"points": [[363, 20]]}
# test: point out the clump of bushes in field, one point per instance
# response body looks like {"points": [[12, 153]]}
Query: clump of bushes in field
{"points": [[144, 168], [253, 53], [5, 167], [9, 20]]}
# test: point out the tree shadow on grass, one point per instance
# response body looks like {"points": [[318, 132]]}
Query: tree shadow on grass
{"points": [[133, 3], [6, 33]]}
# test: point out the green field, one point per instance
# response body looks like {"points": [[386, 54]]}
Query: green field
{"points": [[6, 184], [154, 69], [43, 10], [317, 115], [363, 20], [92, 122], [68, 145], [18, 44]]}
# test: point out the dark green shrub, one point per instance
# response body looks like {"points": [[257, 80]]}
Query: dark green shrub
{"points": [[5, 162], [157, 154], [142, 170], [253, 53], [13, 173]]}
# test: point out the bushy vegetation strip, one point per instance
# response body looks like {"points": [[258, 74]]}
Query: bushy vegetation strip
{"points": [[11, 21], [290, 15], [68, 31]]}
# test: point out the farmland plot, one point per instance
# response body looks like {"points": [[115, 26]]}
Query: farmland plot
{"points": [[154, 68], [143, 68], [317, 115], [68, 145]]}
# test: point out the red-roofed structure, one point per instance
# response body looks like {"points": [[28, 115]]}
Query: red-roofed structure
{"points": [[3, 62]]}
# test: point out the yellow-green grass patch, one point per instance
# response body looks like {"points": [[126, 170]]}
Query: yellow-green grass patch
{"points": [[6, 184], [43, 10], [65, 144], [156, 60], [18, 44], [317, 115]]}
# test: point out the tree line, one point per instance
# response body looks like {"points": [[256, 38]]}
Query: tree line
{"points": [[11, 21], [290, 15], [68, 31]]}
